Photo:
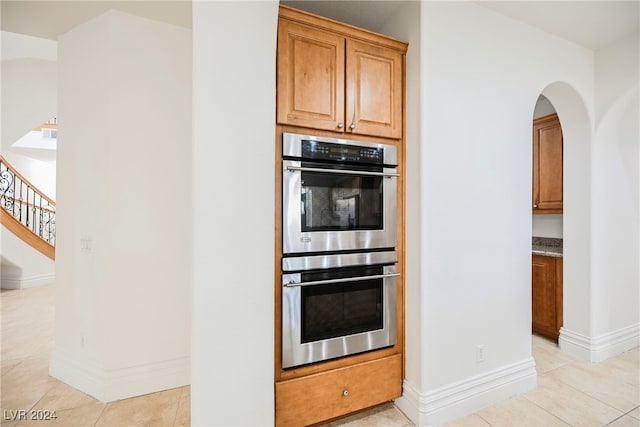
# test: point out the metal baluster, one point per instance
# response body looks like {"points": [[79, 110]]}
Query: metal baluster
{"points": [[28, 210], [14, 201], [40, 225], [34, 218]]}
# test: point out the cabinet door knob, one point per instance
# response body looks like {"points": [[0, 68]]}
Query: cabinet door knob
{"points": [[352, 126], [535, 206], [340, 125], [345, 392]]}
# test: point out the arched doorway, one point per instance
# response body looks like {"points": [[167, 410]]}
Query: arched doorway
{"points": [[547, 204], [576, 219]]}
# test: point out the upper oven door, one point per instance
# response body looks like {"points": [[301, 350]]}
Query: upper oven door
{"points": [[329, 208]]}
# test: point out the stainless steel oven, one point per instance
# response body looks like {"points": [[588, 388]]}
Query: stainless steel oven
{"points": [[337, 305], [338, 194]]}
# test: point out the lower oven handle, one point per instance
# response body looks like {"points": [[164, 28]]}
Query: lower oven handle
{"points": [[341, 171], [293, 284]]}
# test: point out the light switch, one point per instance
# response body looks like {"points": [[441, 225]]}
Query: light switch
{"points": [[85, 244]]}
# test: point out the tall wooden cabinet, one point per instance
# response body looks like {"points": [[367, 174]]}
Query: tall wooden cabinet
{"points": [[547, 165], [340, 81], [331, 78], [546, 293]]}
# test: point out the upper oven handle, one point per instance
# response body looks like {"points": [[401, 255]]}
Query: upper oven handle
{"points": [[341, 171], [293, 284]]}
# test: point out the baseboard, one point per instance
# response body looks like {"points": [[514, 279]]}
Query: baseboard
{"points": [[601, 347], [27, 282], [10, 283], [468, 396], [116, 384]]}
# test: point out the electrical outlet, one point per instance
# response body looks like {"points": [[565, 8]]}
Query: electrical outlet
{"points": [[480, 353]]}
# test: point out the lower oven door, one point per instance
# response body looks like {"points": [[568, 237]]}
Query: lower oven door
{"points": [[337, 312]]}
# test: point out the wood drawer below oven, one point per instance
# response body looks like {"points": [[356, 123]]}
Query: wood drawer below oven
{"points": [[327, 395]]}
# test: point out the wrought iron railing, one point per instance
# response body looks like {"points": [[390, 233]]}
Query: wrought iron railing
{"points": [[26, 204]]}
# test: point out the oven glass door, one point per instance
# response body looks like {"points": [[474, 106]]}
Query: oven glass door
{"points": [[331, 209], [335, 201], [339, 309], [334, 313]]}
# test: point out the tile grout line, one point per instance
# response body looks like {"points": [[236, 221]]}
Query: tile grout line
{"points": [[630, 411], [576, 390], [547, 411], [593, 397], [615, 419], [175, 418], [482, 418], [100, 416]]}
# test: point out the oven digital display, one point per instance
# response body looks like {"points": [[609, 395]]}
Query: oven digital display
{"points": [[342, 149]]}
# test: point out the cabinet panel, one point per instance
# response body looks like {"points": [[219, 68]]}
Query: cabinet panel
{"points": [[320, 397], [546, 295], [310, 77], [547, 165], [374, 90]]}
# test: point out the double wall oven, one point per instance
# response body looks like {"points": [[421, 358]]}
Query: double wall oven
{"points": [[339, 281]]}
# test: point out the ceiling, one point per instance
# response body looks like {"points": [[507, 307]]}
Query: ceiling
{"points": [[50, 18], [369, 14], [592, 24]]}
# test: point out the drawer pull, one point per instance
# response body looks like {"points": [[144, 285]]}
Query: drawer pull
{"points": [[345, 392]]}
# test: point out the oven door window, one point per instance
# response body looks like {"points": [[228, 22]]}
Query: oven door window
{"points": [[341, 309], [334, 201]]}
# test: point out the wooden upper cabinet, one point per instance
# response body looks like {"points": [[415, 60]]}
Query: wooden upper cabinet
{"points": [[338, 78], [547, 165], [310, 77]]}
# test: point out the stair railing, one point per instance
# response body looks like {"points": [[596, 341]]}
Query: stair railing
{"points": [[24, 203]]}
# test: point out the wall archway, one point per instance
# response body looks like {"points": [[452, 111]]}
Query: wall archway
{"points": [[577, 127]]}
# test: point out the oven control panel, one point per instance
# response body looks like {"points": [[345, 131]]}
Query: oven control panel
{"points": [[321, 150]]}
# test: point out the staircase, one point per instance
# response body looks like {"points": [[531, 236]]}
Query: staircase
{"points": [[26, 211]]}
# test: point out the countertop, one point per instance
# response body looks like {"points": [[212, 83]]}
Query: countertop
{"points": [[547, 246]]}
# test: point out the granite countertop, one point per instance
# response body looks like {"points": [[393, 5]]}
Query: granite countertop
{"points": [[547, 246]]}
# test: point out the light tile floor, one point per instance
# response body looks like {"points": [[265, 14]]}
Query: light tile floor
{"points": [[27, 340], [569, 393]]}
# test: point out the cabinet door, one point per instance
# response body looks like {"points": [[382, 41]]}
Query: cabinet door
{"points": [[374, 90], [310, 77], [547, 165], [544, 297]]}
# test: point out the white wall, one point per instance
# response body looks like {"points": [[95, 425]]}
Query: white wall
{"points": [[616, 195], [233, 218], [480, 75], [21, 266], [20, 46], [28, 97], [616, 73], [547, 226], [124, 156]]}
